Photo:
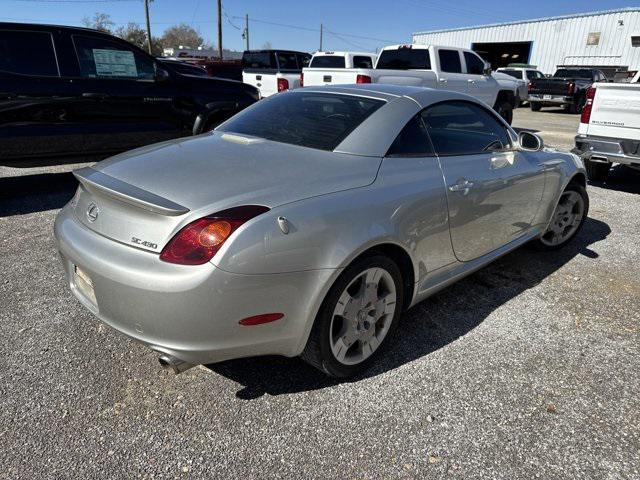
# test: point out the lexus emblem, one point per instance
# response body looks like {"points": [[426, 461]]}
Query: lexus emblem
{"points": [[92, 212]]}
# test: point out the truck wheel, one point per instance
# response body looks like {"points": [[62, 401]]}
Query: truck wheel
{"points": [[505, 110], [578, 105], [596, 171], [535, 106]]}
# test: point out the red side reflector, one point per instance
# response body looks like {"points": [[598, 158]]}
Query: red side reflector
{"points": [[363, 79], [260, 319]]}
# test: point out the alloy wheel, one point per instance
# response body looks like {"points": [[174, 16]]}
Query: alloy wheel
{"points": [[566, 219]]}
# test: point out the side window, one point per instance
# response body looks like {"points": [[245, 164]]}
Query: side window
{"points": [[463, 128], [102, 58], [475, 66], [450, 61], [303, 60], [412, 140], [28, 53], [360, 61]]}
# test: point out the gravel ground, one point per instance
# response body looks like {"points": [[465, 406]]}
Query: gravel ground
{"points": [[527, 369]]}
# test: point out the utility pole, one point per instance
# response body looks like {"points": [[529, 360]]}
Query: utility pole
{"points": [[146, 12], [220, 29], [320, 37], [246, 31]]}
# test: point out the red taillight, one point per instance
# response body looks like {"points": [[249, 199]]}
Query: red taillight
{"points": [[283, 84], [363, 79], [572, 88], [199, 241], [588, 106], [302, 79], [260, 319], [529, 87]]}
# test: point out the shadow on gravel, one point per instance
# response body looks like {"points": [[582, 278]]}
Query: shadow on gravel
{"points": [[35, 193], [427, 327], [622, 179]]}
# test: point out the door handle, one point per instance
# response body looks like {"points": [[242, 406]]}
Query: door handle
{"points": [[443, 80], [462, 186], [99, 96], [470, 80]]}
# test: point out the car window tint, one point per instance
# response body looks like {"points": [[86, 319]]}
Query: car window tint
{"points": [[259, 60], [327, 61], [513, 73], [287, 61], [315, 120], [303, 60], [404, 59], [412, 140], [462, 128], [475, 66], [450, 61], [102, 58], [360, 61], [28, 53]]}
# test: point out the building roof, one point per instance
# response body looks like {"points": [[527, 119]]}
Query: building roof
{"points": [[534, 20]]}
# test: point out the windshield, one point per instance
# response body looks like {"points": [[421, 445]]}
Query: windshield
{"points": [[314, 120], [327, 61], [404, 59], [573, 73], [513, 73]]}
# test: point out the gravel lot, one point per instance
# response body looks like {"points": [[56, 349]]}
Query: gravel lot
{"points": [[527, 369]]}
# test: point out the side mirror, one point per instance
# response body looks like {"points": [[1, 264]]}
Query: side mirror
{"points": [[487, 70], [161, 74], [530, 142]]}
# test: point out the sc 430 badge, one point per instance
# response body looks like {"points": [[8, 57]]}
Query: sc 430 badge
{"points": [[142, 243]]}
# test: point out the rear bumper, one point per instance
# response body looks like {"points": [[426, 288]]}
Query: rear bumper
{"points": [[607, 150], [189, 312], [550, 99]]}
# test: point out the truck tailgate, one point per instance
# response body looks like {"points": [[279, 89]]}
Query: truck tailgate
{"points": [[615, 111], [416, 78], [332, 76]]}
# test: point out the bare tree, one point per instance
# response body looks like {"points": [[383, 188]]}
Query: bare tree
{"points": [[183, 35], [100, 21]]}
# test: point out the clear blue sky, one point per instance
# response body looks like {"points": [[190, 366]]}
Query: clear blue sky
{"points": [[381, 21]]}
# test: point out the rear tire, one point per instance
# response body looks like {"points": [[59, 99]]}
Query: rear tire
{"points": [[596, 171], [535, 106], [356, 317], [578, 105], [505, 110], [567, 220]]}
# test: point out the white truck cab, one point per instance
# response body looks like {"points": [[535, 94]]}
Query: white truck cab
{"points": [[609, 130], [273, 71], [327, 68]]}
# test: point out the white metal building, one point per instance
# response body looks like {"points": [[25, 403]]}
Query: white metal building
{"points": [[609, 40]]}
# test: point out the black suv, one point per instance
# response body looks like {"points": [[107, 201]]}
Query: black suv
{"points": [[67, 92]]}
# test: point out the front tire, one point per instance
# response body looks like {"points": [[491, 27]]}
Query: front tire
{"points": [[597, 171], [505, 110], [357, 317], [567, 220], [535, 106]]}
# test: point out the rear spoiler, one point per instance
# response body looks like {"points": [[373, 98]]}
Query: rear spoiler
{"points": [[125, 192]]}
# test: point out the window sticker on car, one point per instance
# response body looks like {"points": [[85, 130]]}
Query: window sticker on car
{"points": [[114, 63]]}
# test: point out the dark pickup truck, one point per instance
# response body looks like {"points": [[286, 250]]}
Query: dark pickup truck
{"points": [[568, 87]]}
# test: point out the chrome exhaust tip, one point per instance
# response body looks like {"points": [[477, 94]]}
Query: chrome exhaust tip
{"points": [[173, 364]]}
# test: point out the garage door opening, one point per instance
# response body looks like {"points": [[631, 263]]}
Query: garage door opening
{"points": [[501, 54]]}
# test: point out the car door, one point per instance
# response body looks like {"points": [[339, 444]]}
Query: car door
{"points": [[35, 102], [493, 189], [480, 86], [450, 75], [124, 106]]}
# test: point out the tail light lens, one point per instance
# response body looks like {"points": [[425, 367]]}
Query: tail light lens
{"points": [[283, 84], [585, 117], [572, 88], [302, 79], [529, 87], [199, 241], [363, 79]]}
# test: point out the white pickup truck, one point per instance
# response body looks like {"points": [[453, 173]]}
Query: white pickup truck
{"points": [[326, 68], [448, 68], [609, 130], [273, 71]]}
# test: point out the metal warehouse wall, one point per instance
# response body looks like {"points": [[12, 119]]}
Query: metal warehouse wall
{"points": [[558, 40]]}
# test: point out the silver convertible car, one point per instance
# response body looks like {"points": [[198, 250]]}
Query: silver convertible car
{"points": [[306, 224]]}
